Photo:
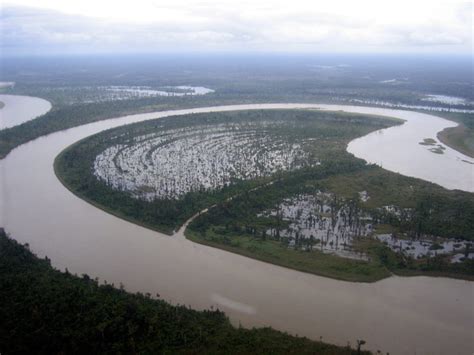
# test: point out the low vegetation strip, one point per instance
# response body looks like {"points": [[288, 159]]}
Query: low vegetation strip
{"points": [[271, 251], [460, 138], [45, 311]]}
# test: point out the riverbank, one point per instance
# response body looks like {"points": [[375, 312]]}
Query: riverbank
{"points": [[313, 262], [112, 211], [460, 138], [381, 264]]}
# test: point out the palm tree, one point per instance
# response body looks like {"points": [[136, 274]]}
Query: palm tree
{"points": [[359, 344]]}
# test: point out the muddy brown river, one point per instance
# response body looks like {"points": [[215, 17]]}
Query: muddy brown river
{"points": [[18, 109], [416, 315]]}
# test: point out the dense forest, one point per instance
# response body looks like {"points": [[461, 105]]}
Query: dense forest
{"points": [[45, 311]]}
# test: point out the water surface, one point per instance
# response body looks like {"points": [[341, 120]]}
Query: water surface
{"points": [[19, 109]]}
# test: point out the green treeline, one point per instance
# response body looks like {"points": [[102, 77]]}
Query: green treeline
{"points": [[45, 311]]}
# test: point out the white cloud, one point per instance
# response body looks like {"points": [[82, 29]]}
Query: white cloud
{"points": [[147, 25]]}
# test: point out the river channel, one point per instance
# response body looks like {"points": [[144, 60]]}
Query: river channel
{"points": [[400, 315]]}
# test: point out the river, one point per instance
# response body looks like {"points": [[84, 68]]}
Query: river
{"points": [[399, 315], [19, 109]]}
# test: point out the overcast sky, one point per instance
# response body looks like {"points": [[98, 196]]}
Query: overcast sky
{"points": [[97, 26]]}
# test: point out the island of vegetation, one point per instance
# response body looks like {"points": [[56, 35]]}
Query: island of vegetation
{"points": [[434, 148], [45, 311], [428, 141], [284, 191], [461, 137]]}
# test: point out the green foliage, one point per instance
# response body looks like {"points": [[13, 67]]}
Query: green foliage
{"points": [[45, 311], [235, 226], [436, 211], [275, 252], [332, 131], [460, 138], [243, 209], [400, 264]]}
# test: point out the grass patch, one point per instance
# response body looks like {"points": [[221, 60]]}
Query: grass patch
{"points": [[382, 263], [385, 229], [314, 262]]}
